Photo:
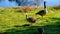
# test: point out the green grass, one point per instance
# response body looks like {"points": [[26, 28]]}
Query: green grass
{"points": [[10, 17]]}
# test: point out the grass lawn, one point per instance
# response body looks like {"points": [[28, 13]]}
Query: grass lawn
{"points": [[10, 17]]}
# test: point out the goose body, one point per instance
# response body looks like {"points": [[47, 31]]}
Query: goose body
{"points": [[42, 13], [31, 19]]}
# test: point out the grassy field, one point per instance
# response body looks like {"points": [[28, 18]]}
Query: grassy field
{"points": [[10, 17]]}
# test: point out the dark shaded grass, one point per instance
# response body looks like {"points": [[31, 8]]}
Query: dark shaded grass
{"points": [[48, 29], [55, 18]]}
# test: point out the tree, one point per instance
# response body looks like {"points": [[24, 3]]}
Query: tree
{"points": [[37, 2]]}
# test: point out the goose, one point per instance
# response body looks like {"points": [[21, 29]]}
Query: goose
{"points": [[42, 12], [31, 19]]}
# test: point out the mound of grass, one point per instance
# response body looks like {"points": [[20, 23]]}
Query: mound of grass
{"points": [[9, 17]]}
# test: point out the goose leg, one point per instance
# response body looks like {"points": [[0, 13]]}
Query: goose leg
{"points": [[32, 24]]}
